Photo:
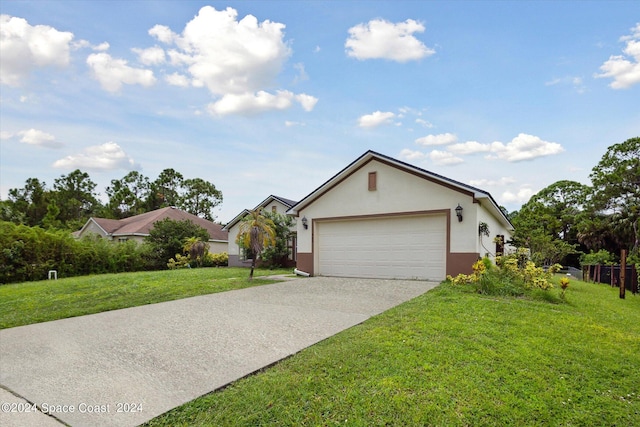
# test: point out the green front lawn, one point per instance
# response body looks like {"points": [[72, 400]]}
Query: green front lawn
{"points": [[452, 357], [33, 302]]}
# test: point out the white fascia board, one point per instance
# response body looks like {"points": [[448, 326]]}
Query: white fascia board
{"points": [[236, 219]]}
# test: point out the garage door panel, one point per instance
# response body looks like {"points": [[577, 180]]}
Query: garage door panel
{"points": [[396, 247]]}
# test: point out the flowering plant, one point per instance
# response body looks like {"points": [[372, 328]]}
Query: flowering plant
{"points": [[564, 284]]}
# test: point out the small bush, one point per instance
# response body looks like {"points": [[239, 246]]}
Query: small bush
{"points": [[180, 261], [216, 260], [513, 275]]}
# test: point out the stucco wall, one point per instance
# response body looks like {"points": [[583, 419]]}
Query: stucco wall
{"points": [[92, 228], [486, 245], [232, 247], [216, 247], [396, 191]]}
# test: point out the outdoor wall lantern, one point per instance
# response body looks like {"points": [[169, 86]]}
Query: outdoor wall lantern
{"points": [[458, 213], [305, 222]]}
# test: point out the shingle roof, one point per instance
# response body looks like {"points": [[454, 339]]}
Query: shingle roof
{"points": [[143, 223]]}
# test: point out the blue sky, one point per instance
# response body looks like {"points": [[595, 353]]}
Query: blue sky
{"points": [[274, 97]]}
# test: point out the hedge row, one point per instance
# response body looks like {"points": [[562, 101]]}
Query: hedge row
{"points": [[28, 253]]}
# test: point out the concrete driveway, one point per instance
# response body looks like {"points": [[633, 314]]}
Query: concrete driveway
{"points": [[124, 367]]}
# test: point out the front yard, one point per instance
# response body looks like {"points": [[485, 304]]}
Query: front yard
{"points": [[449, 357], [453, 358], [34, 302]]}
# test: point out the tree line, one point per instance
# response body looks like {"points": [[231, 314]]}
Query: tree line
{"points": [[73, 199], [569, 222]]}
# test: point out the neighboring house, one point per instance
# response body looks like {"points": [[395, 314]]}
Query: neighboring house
{"points": [[237, 256], [383, 218], [137, 227]]}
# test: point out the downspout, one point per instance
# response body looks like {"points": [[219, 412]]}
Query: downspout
{"points": [[301, 273]]}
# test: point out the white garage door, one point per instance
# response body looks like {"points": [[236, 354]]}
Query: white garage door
{"points": [[403, 247]]}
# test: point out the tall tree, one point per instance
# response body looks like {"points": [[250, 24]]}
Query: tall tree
{"points": [[127, 196], [76, 198], [165, 191], [255, 233], [546, 224], [200, 197], [30, 201], [616, 190], [564, 201]]}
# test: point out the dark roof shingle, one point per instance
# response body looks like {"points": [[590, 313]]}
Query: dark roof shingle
{"points": [[143, 223]]}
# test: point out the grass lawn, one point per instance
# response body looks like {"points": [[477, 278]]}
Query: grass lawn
{"points": [[33, 302], [453, 358]]}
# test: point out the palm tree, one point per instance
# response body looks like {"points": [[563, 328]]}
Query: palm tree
{"points": [[196, 249], [255, 233]]}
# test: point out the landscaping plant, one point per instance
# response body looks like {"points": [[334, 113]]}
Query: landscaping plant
{"points": [[512, 274]]}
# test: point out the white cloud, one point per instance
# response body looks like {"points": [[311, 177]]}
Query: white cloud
{"points": [[376, 118], [80, 44], [505, 180], [177, 79], [469, 147], [39, 138], [163, 34], [411, 155], [302, 73], [237, 60], [444, 158], [105, 157], [424, 123], [524, 147], [249, 103], [440, 139], [228, 56], [33, 137], [624, 69], [113, 73], [308, 102], [521, 196], [24, 47], [150, 56], [380, 39], [575, 81], [102, 47]]}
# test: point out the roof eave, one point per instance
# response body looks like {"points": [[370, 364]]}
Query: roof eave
{"points": [[235, 220]]}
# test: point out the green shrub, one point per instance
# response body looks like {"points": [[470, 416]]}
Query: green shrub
{"points": [[180, 261], [602, 257], [28, 253], [216, 260], [513, 275]]}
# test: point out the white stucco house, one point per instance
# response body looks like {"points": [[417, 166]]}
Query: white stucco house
{"points": [[383, 218], [237, 257], [137, 227]]}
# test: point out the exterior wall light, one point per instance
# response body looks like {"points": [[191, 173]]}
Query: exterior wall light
{"points": [[305, 222], [458, 213]]}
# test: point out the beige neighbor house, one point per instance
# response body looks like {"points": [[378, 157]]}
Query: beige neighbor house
{"points": [[137, 227], [237, 256], [383, 218]]}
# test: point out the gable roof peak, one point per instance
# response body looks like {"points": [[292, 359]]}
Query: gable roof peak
{"points": [[371, 154]]}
